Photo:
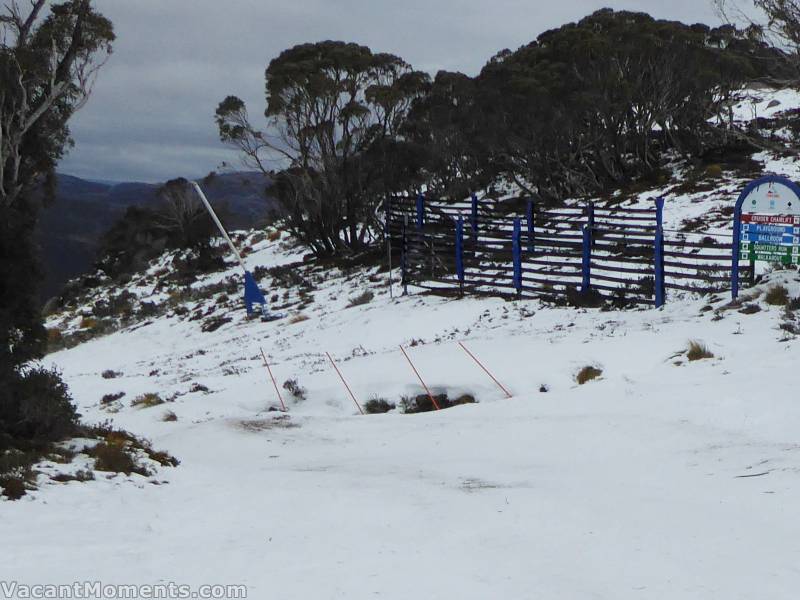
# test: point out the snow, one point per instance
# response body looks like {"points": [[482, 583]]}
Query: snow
{"points": [[664, 478], [634, 485]]}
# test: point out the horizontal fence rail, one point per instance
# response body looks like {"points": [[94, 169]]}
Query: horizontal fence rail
{"points": [[572, 254]]}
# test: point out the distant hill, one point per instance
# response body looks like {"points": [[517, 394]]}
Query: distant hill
{"points": [[84, 210]]}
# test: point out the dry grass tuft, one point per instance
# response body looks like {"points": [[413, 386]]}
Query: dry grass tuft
{"points": [[147, 401], [698, 351], [777, 295], [588, 373]]}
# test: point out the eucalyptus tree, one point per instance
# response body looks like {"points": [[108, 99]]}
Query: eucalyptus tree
{"points": [[334, 115]]}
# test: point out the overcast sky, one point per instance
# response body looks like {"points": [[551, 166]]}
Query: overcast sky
{"points": [[151, 115]]}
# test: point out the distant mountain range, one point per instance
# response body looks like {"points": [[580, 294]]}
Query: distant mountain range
{"points": [[71, 228]]}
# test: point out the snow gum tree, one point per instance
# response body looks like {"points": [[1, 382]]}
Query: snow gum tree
{"points": [[50, 54], [335, 111]]}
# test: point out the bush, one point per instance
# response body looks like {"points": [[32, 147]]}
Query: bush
{"points": [[214, 323], [147, 401], [363, 298], [110, 374], [115, 458], [698, 351], [38, 410], [169, 417], [777, 295], [109, 398], [422, 402], [12, 487], [376, 406], [299, 318], [295, 389], [88, 323], [588, 373]]}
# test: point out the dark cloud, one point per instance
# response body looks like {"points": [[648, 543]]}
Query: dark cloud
{"points": [[151, 115]]}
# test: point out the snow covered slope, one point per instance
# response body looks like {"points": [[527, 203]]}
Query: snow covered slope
{"points": [[663, 478]]}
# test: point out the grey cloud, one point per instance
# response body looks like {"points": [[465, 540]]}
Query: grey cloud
{"points": [[151, 116]]}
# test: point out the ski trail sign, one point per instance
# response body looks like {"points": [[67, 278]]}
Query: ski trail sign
{"points": [[766, 224]]}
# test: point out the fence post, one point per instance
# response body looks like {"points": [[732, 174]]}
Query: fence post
{"points": [[586, 265], [403, 256], [590, 214], [516, 251], [420, 211], [659, 267], [660, 212], [530, 226], [474, 218], [460, 252]]}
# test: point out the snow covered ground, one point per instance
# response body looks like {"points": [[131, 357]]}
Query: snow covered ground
{"points": [[663, 479]]}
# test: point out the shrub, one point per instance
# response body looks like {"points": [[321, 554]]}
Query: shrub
{"points": [[274, 236], [364, 298], [589, 299], [697, 351], [298, 318], [777, 295], [148, 309], [78, 476], [793, 304], [295, 389], [544, 388], [115, 458], [39, 409], [129, 444], [13, 487], [214, 323], [197, 388], [169, 417], [588, 373], [422, 402], [109, 398], [54, 337], [88, 323], [750, 309], [714, 171], [110, 374], [147, 401], [375, 406]]}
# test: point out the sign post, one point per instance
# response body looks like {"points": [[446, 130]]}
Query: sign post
{"points": [[766, 225]]}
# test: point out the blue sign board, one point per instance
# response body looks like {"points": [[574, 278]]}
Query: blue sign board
{"points": [[765, 238]]}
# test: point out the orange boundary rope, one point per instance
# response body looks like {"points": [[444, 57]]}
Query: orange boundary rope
{"points": [[433, 400], [275, 383], [500, 385], [345, 384]]}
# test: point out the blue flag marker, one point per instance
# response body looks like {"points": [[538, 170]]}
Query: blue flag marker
{"points": [[252, 294]]}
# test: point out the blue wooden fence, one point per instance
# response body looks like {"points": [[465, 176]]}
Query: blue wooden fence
{"points": [[618, 253]]}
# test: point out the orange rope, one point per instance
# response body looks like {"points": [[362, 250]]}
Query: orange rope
{"points": [[500, 385], [433, 400], [345, 383], [275, 383]]}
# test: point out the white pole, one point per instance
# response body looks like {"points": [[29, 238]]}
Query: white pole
{"points": [[218, 223]]}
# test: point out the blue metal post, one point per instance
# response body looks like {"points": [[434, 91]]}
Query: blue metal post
{"points": [[659, 267], [737, 234], [530, 227], [404, 256], [460, 250], [660, 213], [586, 265], [420, 211], [516, 250]]}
